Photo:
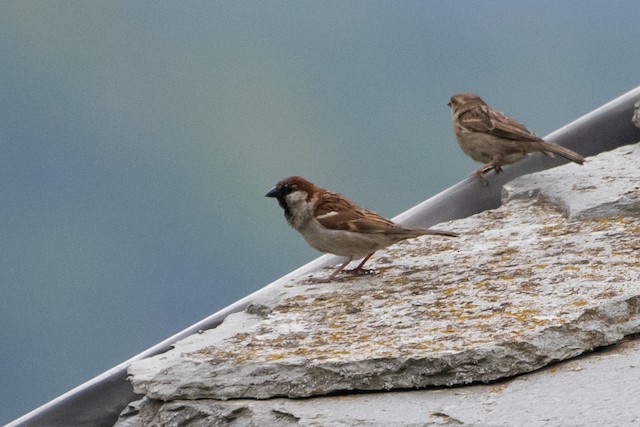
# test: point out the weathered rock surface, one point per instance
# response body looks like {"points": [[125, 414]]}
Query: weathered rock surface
{"points": [[606, 187], [636, 114], [598, 390], [553, 273]]}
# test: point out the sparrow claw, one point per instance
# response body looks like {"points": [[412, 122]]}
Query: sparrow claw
{"points": [[479, 174], [361, 271]]}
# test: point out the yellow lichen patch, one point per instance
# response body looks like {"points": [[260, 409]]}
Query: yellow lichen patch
{"points": [[329, 354], [498, 388], [607, 223], [523, 315], [507, 251], [474, 316], [337, 336], [301, 351], [580, 303], [401, 280], [455, 311], [483, 327], [570, 268], [550, 230], [446, 247], [612, 220]]}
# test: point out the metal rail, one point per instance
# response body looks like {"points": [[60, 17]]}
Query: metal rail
{"points": [[99, 401]]}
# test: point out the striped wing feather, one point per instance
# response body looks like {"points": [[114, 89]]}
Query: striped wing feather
{"points": [[338, 213], [483, 119]]}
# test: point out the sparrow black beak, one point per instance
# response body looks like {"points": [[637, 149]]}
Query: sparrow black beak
{"points": [[274, 192], [279, 195]]}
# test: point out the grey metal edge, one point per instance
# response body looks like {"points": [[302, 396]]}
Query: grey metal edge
{"points": [[99, 401]]}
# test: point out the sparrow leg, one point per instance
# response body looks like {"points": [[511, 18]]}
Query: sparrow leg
{"points": [[333, 275], [479, 174], [491, 165], [339, 269], [358, 270], [484, 169]]}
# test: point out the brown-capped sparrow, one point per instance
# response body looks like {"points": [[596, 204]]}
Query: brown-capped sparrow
{"points": [[331, 223], [492, 138]]}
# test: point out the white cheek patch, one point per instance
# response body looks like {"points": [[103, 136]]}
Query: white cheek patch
{"points": [[296, 197], [299, 208], [327, 215]]}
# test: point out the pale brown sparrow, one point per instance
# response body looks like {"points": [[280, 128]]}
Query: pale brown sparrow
{"points": [[331, 223], [492, 138]]}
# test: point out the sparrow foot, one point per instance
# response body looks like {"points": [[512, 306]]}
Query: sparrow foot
{"points": [[481, 179], [361, 271]]}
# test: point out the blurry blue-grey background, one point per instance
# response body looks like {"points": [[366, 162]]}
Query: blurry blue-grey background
{"points": [[138, 140]]}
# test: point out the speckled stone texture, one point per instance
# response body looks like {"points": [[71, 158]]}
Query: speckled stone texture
{"points": [[600, 389], [636, 114], [550, 275]]}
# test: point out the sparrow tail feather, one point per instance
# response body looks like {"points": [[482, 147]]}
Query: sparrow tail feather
{"points": [[442, 233], [562, 151]]}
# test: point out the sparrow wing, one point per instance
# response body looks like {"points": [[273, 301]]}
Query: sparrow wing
{"points": [[372, 223], [338, 213], [483, 118]]}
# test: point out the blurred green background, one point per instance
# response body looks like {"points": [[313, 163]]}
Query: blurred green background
{"points": [[139, 138]]}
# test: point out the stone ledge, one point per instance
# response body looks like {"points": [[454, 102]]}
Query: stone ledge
{"points": [[523, 287], [595, 390], [607, 186]]}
